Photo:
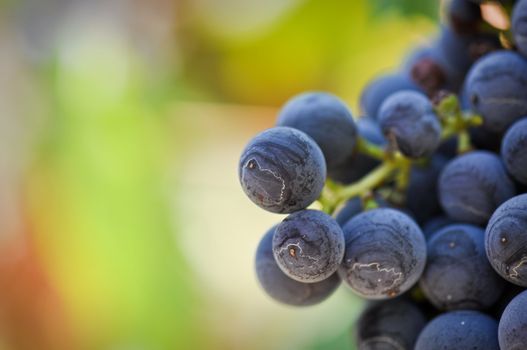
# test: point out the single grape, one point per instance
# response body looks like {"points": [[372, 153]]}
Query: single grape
{"points": [[378, 89], [282, 170], [428, 70], [308, 246], [350, 209], [389, 324], [506, 240], [358, 164], [473, 185], [435, 224], [514, 151], [519, 26], [458, 330], [355, 206], [458, 274], [421, 194], [408, 117], [385, 253], [284, 289], [512, 329], [326, 119], [464, 16], [461, 51], [497, 89]]}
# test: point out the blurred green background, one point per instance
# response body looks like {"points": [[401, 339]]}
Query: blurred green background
{"points": [[122, 224]]}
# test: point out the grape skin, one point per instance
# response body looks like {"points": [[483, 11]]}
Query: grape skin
{"points": [[497, 88], [512, 329], [409, 118], [308, 246], [385, 253], [506, 240], [389, 324], [282, 170], [282, 288], [459, 330], [514, 151], [473, 185], [458, 274], [326, 119]]}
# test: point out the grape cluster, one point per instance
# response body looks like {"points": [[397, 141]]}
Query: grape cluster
{"points": [[419, 205]]}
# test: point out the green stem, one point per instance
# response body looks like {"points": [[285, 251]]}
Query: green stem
{"points": [[463, 142], [367, 183], [370, 149]]}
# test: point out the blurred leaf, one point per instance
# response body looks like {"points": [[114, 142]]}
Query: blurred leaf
{"points": [[98, 200], [429, 8]]}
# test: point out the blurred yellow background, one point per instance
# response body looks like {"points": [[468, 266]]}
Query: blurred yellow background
{"points": [[122, 224]]}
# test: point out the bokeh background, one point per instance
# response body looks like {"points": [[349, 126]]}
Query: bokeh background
{"points": [[122, 224]]}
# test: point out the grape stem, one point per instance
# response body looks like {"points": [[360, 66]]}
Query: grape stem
{"points": [[394, 165]]}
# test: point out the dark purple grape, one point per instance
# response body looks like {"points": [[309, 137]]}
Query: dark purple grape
{"points": [[308, 246], [514, 151], [473, 185], [506, 240], [326, 119], [458, 274], [385, 253], [282, 170], [284, 289], [389, 324]]}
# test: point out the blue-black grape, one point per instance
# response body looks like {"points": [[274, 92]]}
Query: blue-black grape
{"points": [[389, 324], [458, 274], [519, 26], [421, 194], [473, 185], [512, 329], [409, 119], [458, 330], [428, 70], [506, 240], [355, 206], [326, 119], [497, 89], [284, 289], [464, 16], [385, 253], [435, 224], [282, 170], [377, 90], [308, 246], [358, 164], [514, 151]]}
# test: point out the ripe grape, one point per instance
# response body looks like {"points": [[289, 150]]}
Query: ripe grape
{"points": [[506, 240], [385, 253], [458, 274], [378, 89], [389, 324], [514, 151], [284, 289], [282, 170], [473, 185], [408, 117], [458, 330], [497, 88], [326, 119], [512, 331], [308, 246]]}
